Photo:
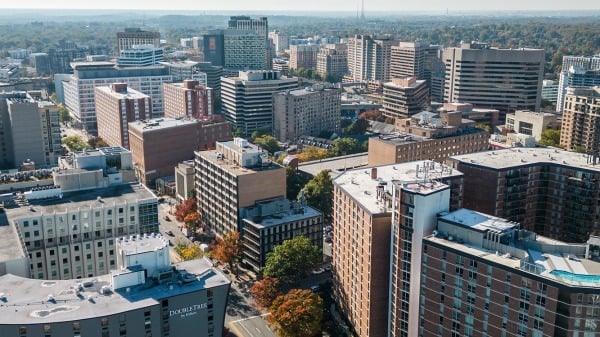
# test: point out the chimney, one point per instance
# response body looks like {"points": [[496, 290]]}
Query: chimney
{"points": [[374, 173]]}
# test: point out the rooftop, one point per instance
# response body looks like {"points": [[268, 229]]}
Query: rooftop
{"points": [[284, 217], [335, 166], [479, 221], [162, 123], [128, 94], [30, 301]]}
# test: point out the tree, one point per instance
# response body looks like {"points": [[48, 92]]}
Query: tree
{"points": [[294, 183], [318, 193], [312, 153], [192, 221], [359, 127], [75, 143], [550, 137], [297, 314], [228, 249], [344, 146], [237, 132], [265, 291], [63, 115], [188, 252], [96, 142], [268, 143], [185, 208], [484, 127], [292, 260]]}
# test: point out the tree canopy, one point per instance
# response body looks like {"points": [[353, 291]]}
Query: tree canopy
{"points": [[297, 314], [318, 193], [188, 252], [268, 143], [550, 137], [312, 153], [96, 142], [292, 260], [265, 291], [294, 183], [345, 146], [228, 249], [75, 143]]}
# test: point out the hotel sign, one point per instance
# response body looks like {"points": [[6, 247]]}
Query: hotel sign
{"points": [[188, 311]]}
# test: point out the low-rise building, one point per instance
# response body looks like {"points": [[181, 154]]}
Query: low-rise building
{"points": [[184, 180]]}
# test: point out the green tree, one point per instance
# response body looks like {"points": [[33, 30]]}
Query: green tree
{"points": [[96, 142], [63, 115], [294, 183], [268, 143], [238, 132], [359, 127], [297, 314], [318, 193], [292, 260], [550, 137], [75, 143], [344, 146]]}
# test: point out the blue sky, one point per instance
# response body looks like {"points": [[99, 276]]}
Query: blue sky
{"points": [[309, 5]]}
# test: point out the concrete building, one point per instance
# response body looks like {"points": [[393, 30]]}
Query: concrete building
{"points": [[404, 97], [304, 56], [280, 40], [363, 209], [580, 128], [421, 60], [243, 50], [214, 48], [332, 60], [78, 89], [213, 77], [548, 191], [135, 36], [531, 123], [140, 56], [550, 91], [482, 275], [145, 296], [233, 177], [190, 99], [503, 79], [184, 180], [577, 71], [282, 66], [488, 117], [369, 58], [268, 223], [117, 105], [153, 157], [29, 130], [259, 26], [306, 112], [186, 70], [248, 99]]}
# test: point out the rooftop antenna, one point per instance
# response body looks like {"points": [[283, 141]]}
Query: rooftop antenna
{"points": [[362, 11]]}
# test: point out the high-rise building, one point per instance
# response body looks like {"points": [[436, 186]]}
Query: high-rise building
{"points": [[549, 191], [421, 60], [261, 27], [550, 91], [365, 204], [577, 71], [580, 128], [234, 176], [136, 36], [503, 79], [153, 157], [29, 130], [243, 50], [248, 99], [186, 70], [369, 58], [213, 76], [280, 40], [214, 48], [190, 99], [304, 56], [117, 105], [332, 61], [404, 97], [140, 56], [306, 112]]}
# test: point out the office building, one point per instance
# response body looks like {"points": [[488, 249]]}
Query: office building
{"points": [[184, 180], [136, 36], [143, 55], [419, 59], [247, 100], [234, 176], [78, 89], [280, 40], [488, 117], [29, 130], [548, 191], [404, 97], [186, 70], [214, 48], [260, 26], [189, 99], [243, 50], [363, 210], [577, 71], [369, 58], [306, 112], [531, 123], [580, 128], [145, 296], [268, 223], [116, 106], [502, 79], [304, 56], [550, 91], [427, 135], [282, 66], [213, 77], [153, 157], [483, 275], [332, 61]]}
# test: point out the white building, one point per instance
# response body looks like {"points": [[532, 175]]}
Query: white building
{"points": [[140, 56]]}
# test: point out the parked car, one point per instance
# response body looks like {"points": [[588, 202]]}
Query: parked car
{"points": [[169, 233], [318, 271], [167, 218], [328, 268]]}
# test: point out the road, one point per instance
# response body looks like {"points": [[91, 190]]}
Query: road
{"points": [[251, 327]]}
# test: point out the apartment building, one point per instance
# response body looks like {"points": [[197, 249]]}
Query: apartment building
{"points": [[404, 97], [143, 55], [233, 177], [190, 99], [259, 26], [421, 60], [369, 58], [116, 106], [580, 128], [304, 56], [280, 40], [577, 71], [332, 60], [548, 191], [306, 112], [136, 36], [153, 157]]}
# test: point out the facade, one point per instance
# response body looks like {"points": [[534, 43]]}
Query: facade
{"points": [[362, 212], [332, 60], [369, 58], [29, 130], [531, 123], [247, 100], [190, 99], [550, 91], [419, 59], [478, 115], [145, 296], [186, 70], [135, 36], [259, 26], [548, 191], [78, 89], [404, 97], [243, 50], [306, 112], [117, 105], [213, 77], [153, 157], [269, 223], [304, 56], [531, 286], [233, 177], [140, 56], [184, 180], [214, 48], [280, 40], [503, 79], [577, 71], [580, 128]]}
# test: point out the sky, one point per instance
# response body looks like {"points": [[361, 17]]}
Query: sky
{"points": [[309, 5]]}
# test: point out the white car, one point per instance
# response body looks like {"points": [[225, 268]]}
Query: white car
{"points": [[318, 271]]}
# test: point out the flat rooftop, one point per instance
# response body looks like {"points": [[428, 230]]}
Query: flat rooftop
{"points": [[11, 248], [161, 123], [520, 157], [27, 299], [130, 93], [335, 166], [479, 221], [233, 168], [284, 217]]}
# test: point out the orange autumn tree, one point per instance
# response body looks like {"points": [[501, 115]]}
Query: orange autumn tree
{"points": [[192, 221], [297, 314], [265, 291], [186, 207], [227, 249]]}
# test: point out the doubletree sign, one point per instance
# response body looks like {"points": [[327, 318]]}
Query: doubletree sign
{"points": [[188, 311]]}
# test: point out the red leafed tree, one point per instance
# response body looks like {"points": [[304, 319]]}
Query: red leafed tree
{"points": [[192, 221], [297, 314], [227, 249], [187, 207], [265, 291]]}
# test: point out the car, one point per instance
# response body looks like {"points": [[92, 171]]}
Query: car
{"points": [[167, 218], [161, 199], [169, 233], [314, 287], [318, 271], [328, 268]]}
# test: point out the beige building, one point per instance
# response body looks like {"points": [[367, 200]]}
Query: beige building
{"points": [[369, 58], [531, 123], [188, 99], [404, 97], [304, 56], [184, 179], [235, 175], [135, 36], [580, 129], [332, 60], [116, 106]]}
